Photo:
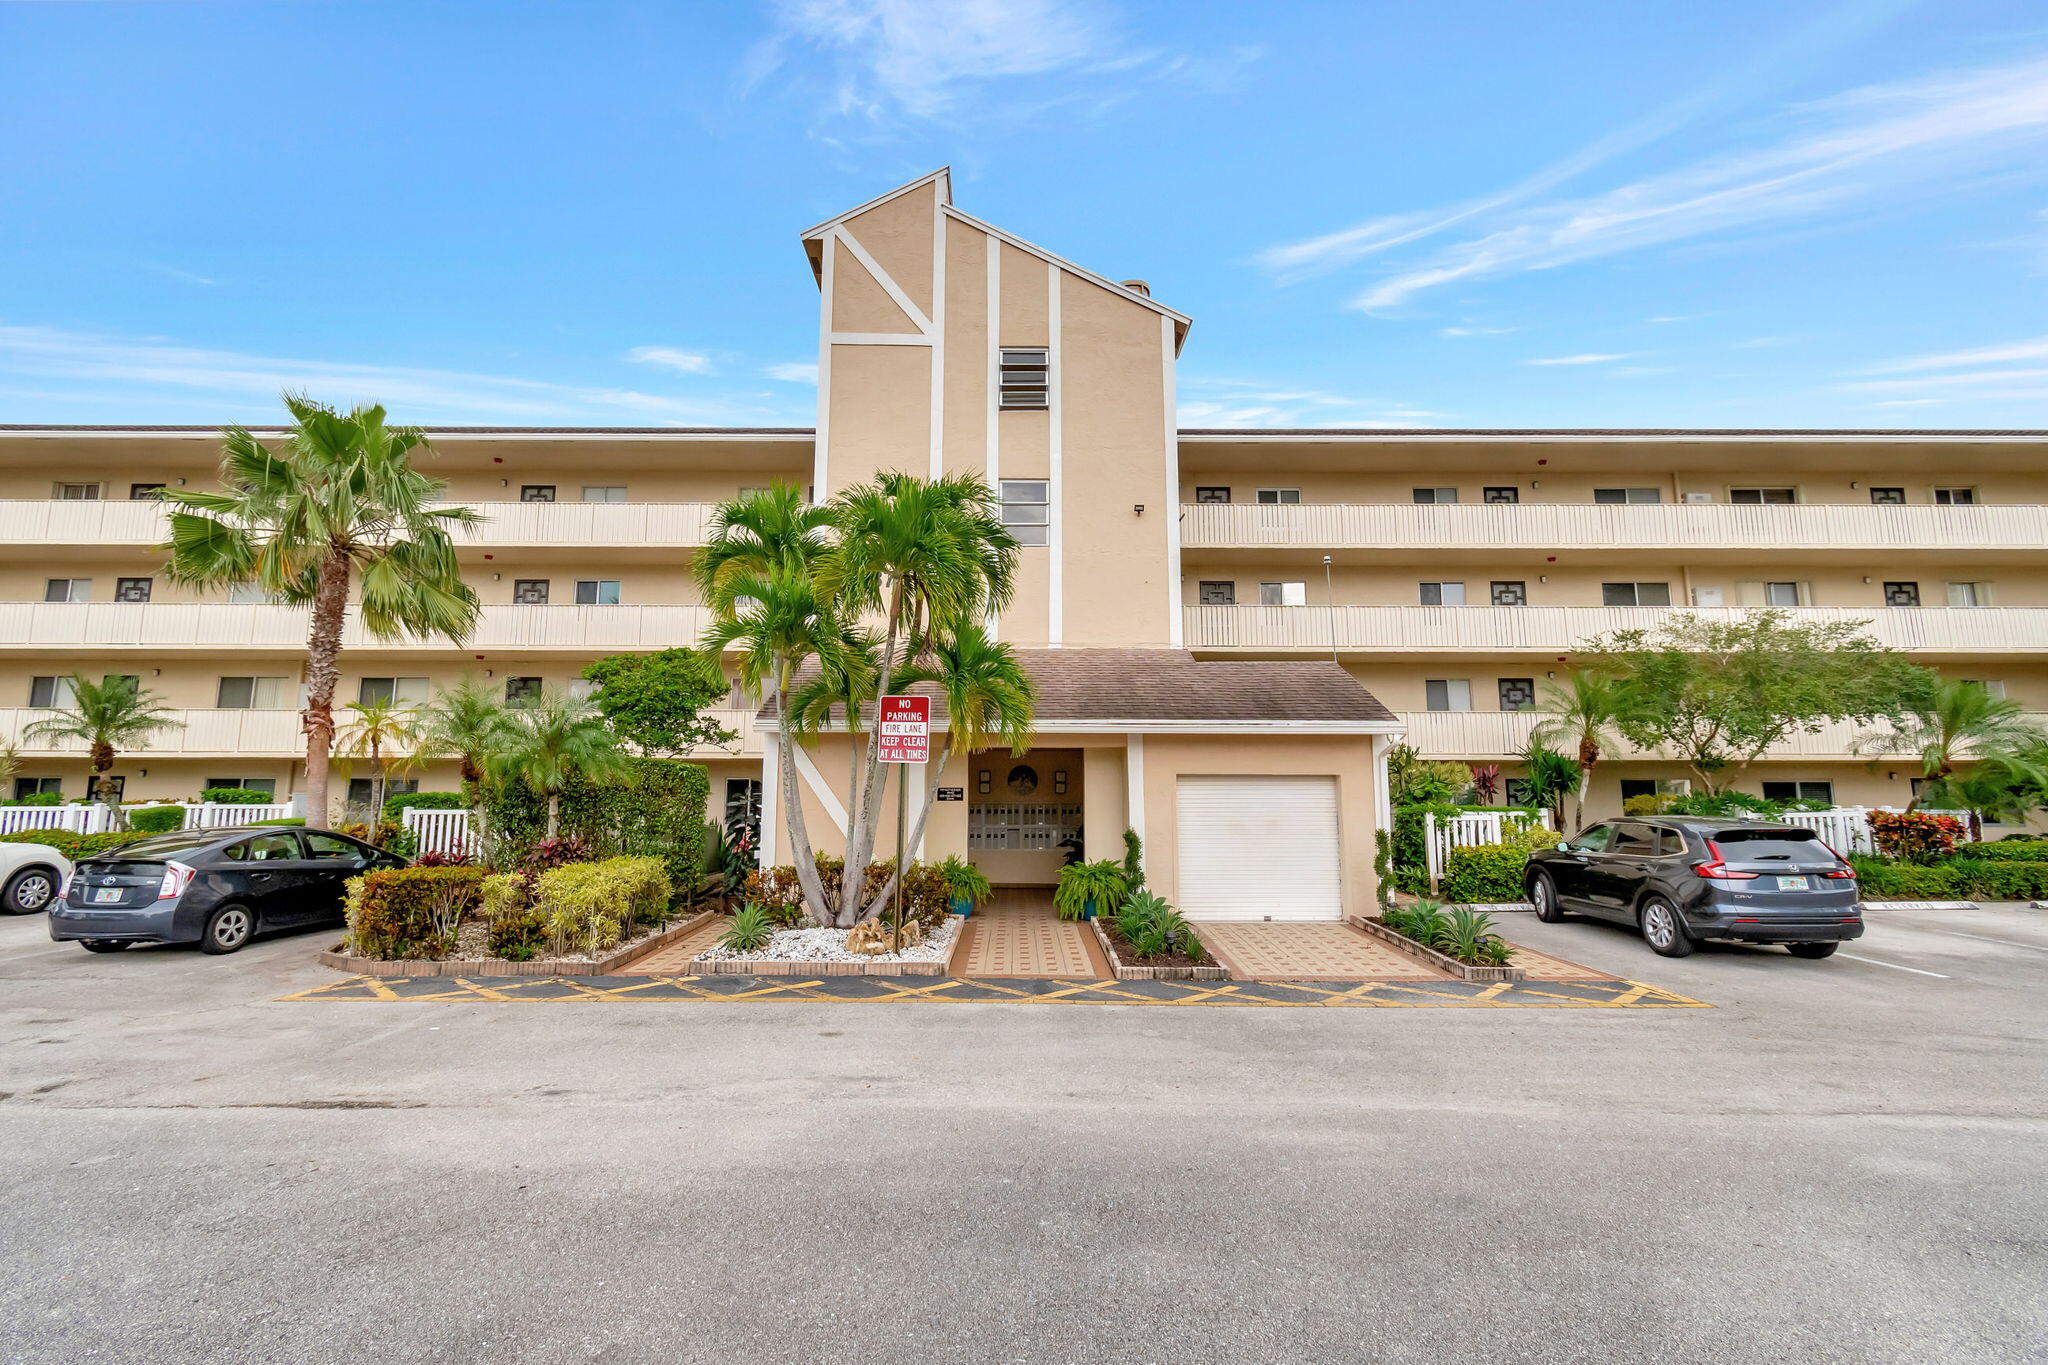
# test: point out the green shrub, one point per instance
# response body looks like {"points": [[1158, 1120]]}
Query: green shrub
{"points": [[36, 799], [657, 812], [156, 819], [775, 892], [750, 931], [410, 912], [1154, 929], [237, 796], [2010, 851], [1462, 935], [282, 820], [591, 907], [505, 893], [965, 881], [1914, 836], [518, 937], [1101, 883], [1492, 873], [404, 801], [72, 846]]}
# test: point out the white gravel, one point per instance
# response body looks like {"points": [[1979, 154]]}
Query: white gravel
{"points": [[829, 945]]}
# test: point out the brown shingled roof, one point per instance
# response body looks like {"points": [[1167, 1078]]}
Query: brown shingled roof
{"points": [[1093, 685]]}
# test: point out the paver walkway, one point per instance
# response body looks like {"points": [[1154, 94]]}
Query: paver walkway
{"points": [[1308, 952], [675, 957], [1020, 934]]}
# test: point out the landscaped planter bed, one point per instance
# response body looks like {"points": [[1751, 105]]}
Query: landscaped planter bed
{"points": [[1184, 969], [1462, 970], [811, 952], [497, 966]]}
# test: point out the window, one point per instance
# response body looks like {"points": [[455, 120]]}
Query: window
{"points": [[254, 694], [1969, 594], [1635, 841], [597, 592], [138, 492], [76, 492], [1593, 839], [1632, 787], [133, 589], [1991, 685], [265, 848], [1763, 497], [1283, 594], [1275, 497], [38, 786], [1505, 492], [67, 590], [362, 791], [604, 492], [1902, 594], [1447, 694], [391, 691], [1520, 792], [1800, 791], [536, 492], [250, 594], [1212, 493], [1781, 594], [743, 802], [1955, 497], [1628, 495], [266, 785], [1442, 594], [1217, 593], [1517, 694], [1023, 377], [1510, 593], [1635, 594], [1888, 495], [51, 692], [1026, 514], [321, 845], [522, 691], [1430, 496], [530, 592]]}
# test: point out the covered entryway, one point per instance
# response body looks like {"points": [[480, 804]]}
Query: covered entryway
{"points": [[1256, 848]]}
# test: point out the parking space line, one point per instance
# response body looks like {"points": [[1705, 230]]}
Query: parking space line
{"points": [[1917, 971], [1986, 938]]}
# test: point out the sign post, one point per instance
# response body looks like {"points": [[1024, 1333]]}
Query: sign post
{"points": [[903, 736]]}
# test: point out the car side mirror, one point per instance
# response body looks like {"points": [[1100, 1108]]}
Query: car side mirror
{"points": [[1564, 848]]}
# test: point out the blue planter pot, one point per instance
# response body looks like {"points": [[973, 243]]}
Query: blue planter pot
{"points": [[1088, 909], [961, 906]]}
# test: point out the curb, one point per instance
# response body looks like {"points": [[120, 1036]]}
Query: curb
{"points": [[1431, 957], [552, 966]]}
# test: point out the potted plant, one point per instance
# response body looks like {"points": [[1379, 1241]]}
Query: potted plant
{"points": [[966, 886], [1089, 889]]}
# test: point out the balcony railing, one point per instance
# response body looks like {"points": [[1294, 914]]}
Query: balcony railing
{"points": [[170, 627], [1967, 630], [275, 734], [1659, 526], [1503, 734], [599, 525]]}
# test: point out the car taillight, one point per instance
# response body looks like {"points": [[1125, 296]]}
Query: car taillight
{"points": [[1841, 874], [1716, 867], [177, 876]]}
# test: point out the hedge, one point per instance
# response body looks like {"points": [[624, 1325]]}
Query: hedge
{"points": [[1967, 877], [237, 796], [2008, 851], [410, 912], [403, 801], [657, 812], [156, 819], [1490, 874], [72, 846]]}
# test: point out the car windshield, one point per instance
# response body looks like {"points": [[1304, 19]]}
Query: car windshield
{"points": [[165, 845], [1769, 845]]}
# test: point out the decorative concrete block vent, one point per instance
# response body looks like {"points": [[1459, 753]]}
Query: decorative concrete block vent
{"points": [[823, 952]]}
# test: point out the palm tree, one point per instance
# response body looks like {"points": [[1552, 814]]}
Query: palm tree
{"points": [[1580, 716], [554, 742], [338, 507], [374, 730], [107, 716], [469, 724], [758, 534], [1962, 725]]}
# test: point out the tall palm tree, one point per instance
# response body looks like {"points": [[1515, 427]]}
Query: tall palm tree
{"points": [[1581, 716], [756, 534], [387, 735], [552, 743], [468, 723], [107, 716], [989, 700], [338, 507], [930, 556], [1961, 726]]}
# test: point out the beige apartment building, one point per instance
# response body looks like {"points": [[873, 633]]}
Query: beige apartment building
{"points": [[1229, 628]]}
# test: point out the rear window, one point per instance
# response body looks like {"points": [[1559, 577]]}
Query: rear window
{"points": [[1768, 845], [165, 845]]}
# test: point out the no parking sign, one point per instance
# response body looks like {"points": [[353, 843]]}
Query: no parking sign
{"points": [[906, 729]]}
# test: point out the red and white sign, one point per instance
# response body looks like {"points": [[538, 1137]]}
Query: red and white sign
{"points": [[906, 733]]}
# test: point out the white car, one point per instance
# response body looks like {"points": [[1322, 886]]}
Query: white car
{"points": [[31, 876]]}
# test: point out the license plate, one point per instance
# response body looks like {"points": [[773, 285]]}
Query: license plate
{"points": [[1793, 884], [106, 895]]}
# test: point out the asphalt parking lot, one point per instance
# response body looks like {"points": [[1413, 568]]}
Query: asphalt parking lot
{"points": [[1840, 1161]]}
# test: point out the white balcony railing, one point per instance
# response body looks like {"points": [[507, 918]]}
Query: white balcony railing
{"points": [[1502, 734], [599, 525], [169, 627], [1498, 630], [1655, 526]]}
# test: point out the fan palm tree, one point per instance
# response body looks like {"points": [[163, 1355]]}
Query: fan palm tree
{"points": [[1971, 745], [338, 507], [112, 714], [1580, 717], [387, 735], [552, 743]]}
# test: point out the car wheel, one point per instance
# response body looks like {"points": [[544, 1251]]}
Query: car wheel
{"points": [[1663, 930], [30, 891], [1543, 896], [104, 945], [228, 929], [1812, 949]]}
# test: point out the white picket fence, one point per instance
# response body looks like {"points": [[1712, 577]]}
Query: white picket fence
{"points": [[1439, 837], [439, 831], [1846, 829], [218, 815], [100, 819]]}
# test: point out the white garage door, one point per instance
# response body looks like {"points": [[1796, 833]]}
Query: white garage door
{"points": [[1254, 848]]}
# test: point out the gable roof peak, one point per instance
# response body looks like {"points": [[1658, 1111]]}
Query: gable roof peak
{"points": [[942, 178]]}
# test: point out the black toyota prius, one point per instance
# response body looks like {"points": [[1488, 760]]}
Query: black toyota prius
{"points": [[1680, 880], [217, 888]]}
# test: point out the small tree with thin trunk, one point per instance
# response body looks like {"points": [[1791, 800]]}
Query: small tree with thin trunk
{"points": [[387, 735], [558, 740], [107, 716], [1975, 750], [469, 724], [1582, 716], [337, 508]]}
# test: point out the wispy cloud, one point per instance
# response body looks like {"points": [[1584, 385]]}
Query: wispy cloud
{"points": [[1473, 331], [140, 373], [669, 357], [2037, 349], [1935, 130], [795, 372], [172, 272], [1964, 378], [1241, 403], [1588, 358]]}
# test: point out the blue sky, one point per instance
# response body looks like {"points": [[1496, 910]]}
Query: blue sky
{"points": [[1581, 212]]}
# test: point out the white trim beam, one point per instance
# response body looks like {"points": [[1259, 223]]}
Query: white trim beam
{"points": [[885, 279]]}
